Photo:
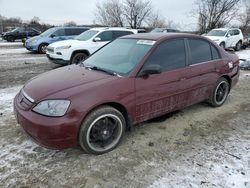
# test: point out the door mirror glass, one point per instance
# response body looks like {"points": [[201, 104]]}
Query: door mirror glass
{"points": [[52, 36], [151, 69], [97, 39]]}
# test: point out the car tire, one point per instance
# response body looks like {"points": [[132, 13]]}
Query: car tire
{"points": [[223, 45], [102, 130], [10, 39], [220, 93], [238, 46], [78, 57], [42, 48]]}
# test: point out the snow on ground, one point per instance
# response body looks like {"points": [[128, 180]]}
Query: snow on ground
{"points": [[8, 44], [244, 54], [13, 51], [6, 98]]}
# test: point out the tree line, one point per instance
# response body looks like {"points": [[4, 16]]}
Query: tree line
{"points": [[210, 14]]}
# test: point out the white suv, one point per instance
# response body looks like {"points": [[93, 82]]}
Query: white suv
{"points": [[227, 38], [78, 49]]}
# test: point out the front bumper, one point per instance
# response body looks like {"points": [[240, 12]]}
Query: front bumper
{"points": [[54, 133], [30, 47], [57, 60]]}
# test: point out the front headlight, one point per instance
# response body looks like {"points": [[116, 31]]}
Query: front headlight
{"points": [[34, 41], [54, 108], [216, 40], [63, 47]]}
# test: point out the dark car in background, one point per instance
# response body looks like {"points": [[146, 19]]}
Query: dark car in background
{"points": [[164, 30], [133, 79], [20, 33], [55, 34]]}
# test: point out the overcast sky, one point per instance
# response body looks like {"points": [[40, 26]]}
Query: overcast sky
{"points": [[82, 11]]}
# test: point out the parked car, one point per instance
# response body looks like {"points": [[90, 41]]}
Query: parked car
{"points": [[19, 33], [245, 64], [76, 50], [227, 38], [133, 79], [40, 43], [164, 30]]}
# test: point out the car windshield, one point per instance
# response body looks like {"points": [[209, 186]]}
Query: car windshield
{"points": [[119, 57], [48, 32], [86, 35], [216, 33]]}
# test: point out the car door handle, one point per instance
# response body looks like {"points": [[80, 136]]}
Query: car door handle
{"points": [[183, 79]]}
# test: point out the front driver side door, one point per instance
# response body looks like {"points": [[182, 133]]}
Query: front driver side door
{"points": [[105, 37], [165, 92]]}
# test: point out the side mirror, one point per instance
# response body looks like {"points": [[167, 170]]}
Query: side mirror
{"points": [[150, 69], [52, 36], [97, 39], [228, 35]]}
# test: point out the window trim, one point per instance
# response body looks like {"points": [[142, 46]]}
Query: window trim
{"points": [[210, 44], [157, 46]]}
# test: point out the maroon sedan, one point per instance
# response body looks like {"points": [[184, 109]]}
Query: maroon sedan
{"points": [[131, 80]]}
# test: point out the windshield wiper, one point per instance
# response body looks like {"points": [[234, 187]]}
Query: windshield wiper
{"points": [[102, 70]]}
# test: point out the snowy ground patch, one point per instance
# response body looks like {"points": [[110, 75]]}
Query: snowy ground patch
{"points": [[6, 98]]}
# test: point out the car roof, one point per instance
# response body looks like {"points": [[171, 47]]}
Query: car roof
{"points": [[160, 36], [113, 28]]}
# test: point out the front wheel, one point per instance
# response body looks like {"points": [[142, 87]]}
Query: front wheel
{"points": [[78, 58], [102, 130], [223, 45], [42, 48], [10, 39], [220, 93]]}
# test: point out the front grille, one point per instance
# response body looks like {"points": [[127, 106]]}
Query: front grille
{"points": [[23, 102], [50, 49]]}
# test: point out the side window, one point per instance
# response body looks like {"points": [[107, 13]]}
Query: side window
{"points": [[236, 32], [215, 53], [230, 32], [170, 55], [199, 51], [74, 31], [59, 32], [106, 36], [117, 34]]}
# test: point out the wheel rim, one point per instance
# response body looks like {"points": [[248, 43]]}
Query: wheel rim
{"points": [[78, 59], [104, 133], [221, 92], [43, 48]]}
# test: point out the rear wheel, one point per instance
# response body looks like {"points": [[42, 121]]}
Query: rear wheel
{"points": [[238, 46], [220, 93], [78, 57], [42, 48], [102, 130], [10, 39]]}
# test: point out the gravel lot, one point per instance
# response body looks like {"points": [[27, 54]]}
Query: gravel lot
{"points": [[198, 146]]}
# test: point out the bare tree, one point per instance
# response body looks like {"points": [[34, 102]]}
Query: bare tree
{"points": [[110, 13], [244, 17], [136, 12], [156, 20], [215, 13], [70, 23]]}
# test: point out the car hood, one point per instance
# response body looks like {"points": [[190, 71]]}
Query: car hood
{"points": [[215, 38], [62, 79], [71, 42]]}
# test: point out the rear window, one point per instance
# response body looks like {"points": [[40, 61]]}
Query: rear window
{"points": [[74, 31], [215, 53], [200, 51], [117, 34]]}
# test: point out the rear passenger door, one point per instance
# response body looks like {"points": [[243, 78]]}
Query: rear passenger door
{"points": [[201, 76], [165, 92]]}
